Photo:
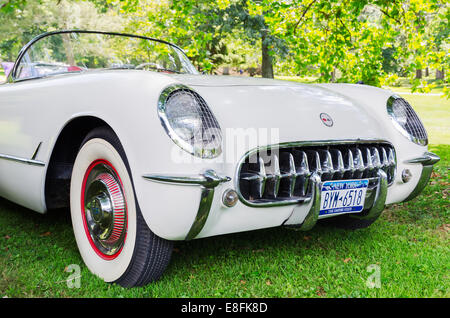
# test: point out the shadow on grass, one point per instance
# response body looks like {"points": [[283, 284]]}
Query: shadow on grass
{"points": [[273, 245], [56, 227]]}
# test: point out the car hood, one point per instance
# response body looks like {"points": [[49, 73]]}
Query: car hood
{"points": [[293, 109]]}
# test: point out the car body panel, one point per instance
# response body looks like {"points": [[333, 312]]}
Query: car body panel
{"points": [[34, 112]]}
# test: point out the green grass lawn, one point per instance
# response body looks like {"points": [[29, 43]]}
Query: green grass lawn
{"points": [[409, 243], [434, 112], [404, 83]]}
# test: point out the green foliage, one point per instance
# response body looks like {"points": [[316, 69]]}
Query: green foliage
{"points": [[10, 6], [333, 40], [336, 40], [27, 19]]}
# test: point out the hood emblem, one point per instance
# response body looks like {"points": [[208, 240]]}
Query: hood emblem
{"points": [[326, 119]]}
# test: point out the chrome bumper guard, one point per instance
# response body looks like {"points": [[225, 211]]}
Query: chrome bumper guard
{"points": [[428, 159], [376, 198], [208, 181]]}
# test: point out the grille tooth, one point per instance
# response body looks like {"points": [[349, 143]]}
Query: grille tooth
{"points": [[303, 168], [288, 174], [339, 169], [326, 165], [283, 174], [273, 176], [369, 171], [302, 172], [359, 164], [350, 167], [292, 172], [391, 158], [254, 178], [376, 161], [318, 166], [369, 159], [384, 161], [384, 157], [392, 164]]}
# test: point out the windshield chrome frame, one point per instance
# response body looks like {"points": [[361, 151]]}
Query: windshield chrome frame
{"points": [[12, 75]]}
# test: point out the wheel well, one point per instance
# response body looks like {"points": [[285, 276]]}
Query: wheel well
{"points": [[59, 172]]}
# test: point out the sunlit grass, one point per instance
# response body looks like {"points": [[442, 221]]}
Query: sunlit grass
{"points": [[434, 112], [409, 242], [297, 79]]}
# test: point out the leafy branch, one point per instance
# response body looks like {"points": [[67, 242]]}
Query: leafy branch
{"points": [[302, 16]]}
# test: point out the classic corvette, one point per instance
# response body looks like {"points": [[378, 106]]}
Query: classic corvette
{"points": [[123, 130]]}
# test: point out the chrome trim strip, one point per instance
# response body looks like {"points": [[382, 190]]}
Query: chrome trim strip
{"points": [[300, 144], [208, 181], [427, 160], [23, 160]]}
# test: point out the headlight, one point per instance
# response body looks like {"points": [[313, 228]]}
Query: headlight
{"points": [[406, 120], [190, 123]]}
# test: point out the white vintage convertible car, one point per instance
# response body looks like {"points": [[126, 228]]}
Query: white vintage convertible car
{"points": [[146, 151]]}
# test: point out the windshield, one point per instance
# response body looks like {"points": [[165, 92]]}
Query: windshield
{"points": [[80, 51]]}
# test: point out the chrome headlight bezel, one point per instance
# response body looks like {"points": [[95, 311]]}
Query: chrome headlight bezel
{"points": [[410, 126], [208, 123]]}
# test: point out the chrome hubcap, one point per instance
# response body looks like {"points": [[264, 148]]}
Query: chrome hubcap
{"points": [[104, 209]]}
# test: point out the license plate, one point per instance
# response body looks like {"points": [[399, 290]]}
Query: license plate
{"points": [[343, 196]]}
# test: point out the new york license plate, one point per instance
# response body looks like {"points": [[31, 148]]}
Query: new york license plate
{"points": [[343, 196]]}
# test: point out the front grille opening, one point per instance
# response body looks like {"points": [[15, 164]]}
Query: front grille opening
{"points": [[282, 174]]}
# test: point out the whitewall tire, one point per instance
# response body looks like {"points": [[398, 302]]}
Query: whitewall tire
{"points": [[112, 236]]}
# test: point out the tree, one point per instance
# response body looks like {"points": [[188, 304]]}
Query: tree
{"points": [[21, 21], [201, 27], [334, 40]]}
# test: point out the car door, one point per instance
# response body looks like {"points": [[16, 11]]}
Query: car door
{"points": [[21, 120]]}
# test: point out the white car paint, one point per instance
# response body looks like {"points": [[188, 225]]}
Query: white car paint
{"points": [[35, 111]]}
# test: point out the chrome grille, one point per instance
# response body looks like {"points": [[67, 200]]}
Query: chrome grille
{"points": [[280, 173]]}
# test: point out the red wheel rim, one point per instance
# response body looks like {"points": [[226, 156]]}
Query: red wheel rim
{"points": [[104, 209]]}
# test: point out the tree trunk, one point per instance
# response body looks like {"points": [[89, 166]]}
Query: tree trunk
{"points": [[440, 74], [419, 74], [266, 67], [427, 72], [333, 75]]}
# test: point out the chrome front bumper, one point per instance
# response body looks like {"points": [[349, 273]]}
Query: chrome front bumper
{"points": [[375, 202], [427, 160], [208, 181], [375, 197]]}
